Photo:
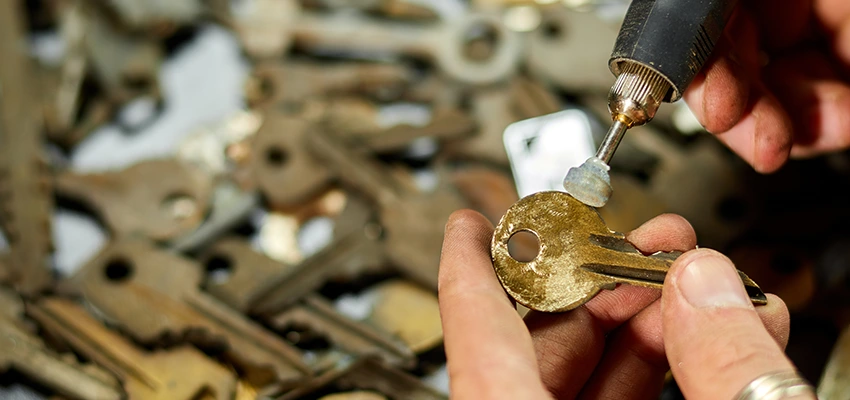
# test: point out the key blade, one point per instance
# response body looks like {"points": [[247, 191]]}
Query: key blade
{"points": [[654, 277]]}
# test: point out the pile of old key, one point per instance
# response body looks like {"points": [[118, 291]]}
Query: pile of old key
{"points": [[193, 298]]}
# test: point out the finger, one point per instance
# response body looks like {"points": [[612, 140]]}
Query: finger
{"points": [[563, 341], [764, 135], [487, 345], [718, 96], [832, 13], [634, 364], [715, 342]]}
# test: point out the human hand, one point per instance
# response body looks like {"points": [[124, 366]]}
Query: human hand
{"points": [[620, 343], [799, 102]]}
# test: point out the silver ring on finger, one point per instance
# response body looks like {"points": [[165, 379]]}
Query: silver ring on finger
{"points": [[775, 386]]}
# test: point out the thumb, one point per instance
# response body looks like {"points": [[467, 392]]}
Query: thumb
{"points": [[714, 339]]}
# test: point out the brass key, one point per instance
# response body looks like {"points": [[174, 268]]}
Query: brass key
{"points": [[578, 256]]}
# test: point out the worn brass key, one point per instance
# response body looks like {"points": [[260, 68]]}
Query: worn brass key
{"points": [[578, 256]]}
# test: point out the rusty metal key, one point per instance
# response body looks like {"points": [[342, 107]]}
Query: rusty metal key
{"points": [[578, 256]]}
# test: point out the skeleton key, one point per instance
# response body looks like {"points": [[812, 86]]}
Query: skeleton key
{"points": [[413, 221], [578, 257], [180, 373], [445, 42], [26, 353], [160, 199], [251, 273], [153, 294], [370, 374], [26, 200]]}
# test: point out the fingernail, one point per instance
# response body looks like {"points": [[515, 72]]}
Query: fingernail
{"points": [[712, 281]]}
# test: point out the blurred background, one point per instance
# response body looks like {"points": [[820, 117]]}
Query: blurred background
{"points": [[246, 198]]}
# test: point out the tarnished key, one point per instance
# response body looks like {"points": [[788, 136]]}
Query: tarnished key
{"points": [[355, 249], [153, 295], [413, 220], [178, 373], [26, 353], [578, 256], [345, 336], [289, 176], [276, 84], [160, 199], [444, 42], [250, 273]]}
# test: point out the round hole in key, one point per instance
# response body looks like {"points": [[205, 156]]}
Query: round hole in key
{"points": [[524, 246], [118, 270], [276, 156], [219, 268], [481, 41]]}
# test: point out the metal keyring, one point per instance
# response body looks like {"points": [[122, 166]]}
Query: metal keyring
{"points": [[775, 386]]}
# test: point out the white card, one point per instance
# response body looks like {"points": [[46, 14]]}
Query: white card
{"points": [[541, 150]]}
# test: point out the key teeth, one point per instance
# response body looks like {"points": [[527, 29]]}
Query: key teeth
{"points": [[590, 183]]}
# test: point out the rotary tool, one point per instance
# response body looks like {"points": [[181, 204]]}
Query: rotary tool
{"points": [[660, 48]]}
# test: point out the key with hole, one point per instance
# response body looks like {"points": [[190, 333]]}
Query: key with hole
{"points": [[289, 176], [413, 220], [249, 273], [26, 353], [445, 42], [160, 199], [178, 373], [153, 295], [355, 249], [578, 256]]}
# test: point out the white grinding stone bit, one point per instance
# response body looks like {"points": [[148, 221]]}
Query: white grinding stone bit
{"points": [[590, 182]]}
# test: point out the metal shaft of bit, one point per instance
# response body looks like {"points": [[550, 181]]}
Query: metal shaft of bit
{"points": [[612, 141]]}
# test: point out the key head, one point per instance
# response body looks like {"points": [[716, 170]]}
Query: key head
{"points": [[277, 147], [554, 280], [130, 278]]}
